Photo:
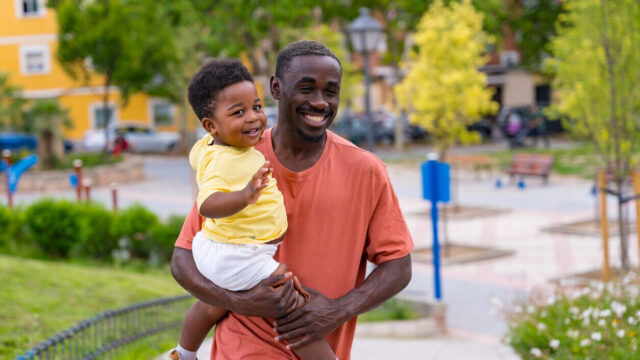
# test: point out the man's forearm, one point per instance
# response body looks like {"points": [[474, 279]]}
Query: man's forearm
{"points": [[383, 282], [322, 315]]}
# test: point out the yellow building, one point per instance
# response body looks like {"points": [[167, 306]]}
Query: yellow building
{"points": [[28, 43]]}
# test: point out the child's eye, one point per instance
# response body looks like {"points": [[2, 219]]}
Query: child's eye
{"points": [[257, 107], [239, 112]]}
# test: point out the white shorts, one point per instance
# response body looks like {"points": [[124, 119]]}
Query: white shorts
{"points": [[233, 266]]}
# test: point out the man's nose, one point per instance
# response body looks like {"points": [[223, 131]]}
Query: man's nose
{"points": [[318, 101]]}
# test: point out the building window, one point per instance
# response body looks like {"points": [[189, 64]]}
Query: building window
{"points": [[100, 116], [162, 114], [35, 60], [30, 8]]}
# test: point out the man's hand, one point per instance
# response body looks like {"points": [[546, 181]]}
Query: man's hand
{"points": [[317, 318], [259, 181], [271, 298]]}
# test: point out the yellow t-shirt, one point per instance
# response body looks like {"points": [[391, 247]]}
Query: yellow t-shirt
{"points": [[227, 168]]}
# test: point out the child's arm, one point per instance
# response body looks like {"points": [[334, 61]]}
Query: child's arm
{"points": [[223, 204]]}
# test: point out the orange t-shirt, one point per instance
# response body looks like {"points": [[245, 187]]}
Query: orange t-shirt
{"points": [[342, 211]]}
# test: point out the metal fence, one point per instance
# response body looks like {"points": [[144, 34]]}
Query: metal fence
{"points": [[104, 335]]}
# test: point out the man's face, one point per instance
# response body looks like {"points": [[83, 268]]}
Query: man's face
{"points": [[310, 95]]}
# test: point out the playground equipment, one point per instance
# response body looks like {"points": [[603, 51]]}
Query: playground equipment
{"points": [[15, 171]]}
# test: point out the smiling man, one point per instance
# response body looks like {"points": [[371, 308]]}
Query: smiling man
{"points": [[342, 211]]}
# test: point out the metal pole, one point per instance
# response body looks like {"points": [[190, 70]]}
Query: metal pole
{"points": [[636, 192], [604, 224], [6, 154], [367, 100], [114, 196], [86, 184], [433, 174], [77, 165]]}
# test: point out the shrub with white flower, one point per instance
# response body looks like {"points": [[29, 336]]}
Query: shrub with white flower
{"points": [[600, 321]]}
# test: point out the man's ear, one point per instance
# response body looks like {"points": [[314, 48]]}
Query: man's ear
{"points": [[209, 125], [274, 85]]}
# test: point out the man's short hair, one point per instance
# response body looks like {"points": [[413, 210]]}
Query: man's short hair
{"points": [[213, 77], [301, 48]]}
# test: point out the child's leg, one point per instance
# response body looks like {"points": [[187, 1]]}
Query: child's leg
{"points": [[317, 350], [199, 320]]}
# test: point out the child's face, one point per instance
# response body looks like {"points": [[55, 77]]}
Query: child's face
{"points": [[238, 119]]}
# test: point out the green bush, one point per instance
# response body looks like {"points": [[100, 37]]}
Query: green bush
{"points": [[6, 220], [53, 225], [135, 223], [601, 321], [95, 239], [163, 237]]}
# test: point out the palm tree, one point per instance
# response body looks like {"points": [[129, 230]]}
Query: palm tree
{"points": [[11, 104], [46, 118]]}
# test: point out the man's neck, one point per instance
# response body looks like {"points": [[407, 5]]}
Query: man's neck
{"points": [[294, 152]]}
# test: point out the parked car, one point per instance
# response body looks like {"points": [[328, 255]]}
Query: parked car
{"points": [[354, 127], [139, 138]]}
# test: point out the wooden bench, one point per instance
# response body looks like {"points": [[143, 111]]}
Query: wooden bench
{"points": [[531, 165], [473, 162]]}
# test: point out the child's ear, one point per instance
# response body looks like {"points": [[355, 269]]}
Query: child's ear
{"points": [[274, 86], [209, 125]]}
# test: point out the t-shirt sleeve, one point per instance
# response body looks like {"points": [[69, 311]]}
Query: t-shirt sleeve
{"points": [[210, 178], [192, 224], [388, 237]]}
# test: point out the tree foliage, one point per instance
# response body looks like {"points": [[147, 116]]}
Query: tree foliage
{"points": [[534, 23], [46, 118], [597, 70], [11, 104], [443, 86]]}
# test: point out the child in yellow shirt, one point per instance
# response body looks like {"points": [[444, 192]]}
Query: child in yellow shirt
{"points": [[244, 211]]}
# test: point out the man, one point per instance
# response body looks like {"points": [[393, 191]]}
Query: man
{"points": [[341, 210]]}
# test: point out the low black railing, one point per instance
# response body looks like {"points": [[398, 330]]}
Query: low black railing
{"points": [[104, 335]]}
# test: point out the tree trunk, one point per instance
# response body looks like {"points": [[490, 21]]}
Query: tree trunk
{"points": [[622, 228], [105, 111]]}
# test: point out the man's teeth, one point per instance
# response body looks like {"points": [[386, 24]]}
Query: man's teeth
{"points": [[314, 118]]}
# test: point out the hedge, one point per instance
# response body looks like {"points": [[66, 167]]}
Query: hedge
{"points": [[62, 229]]}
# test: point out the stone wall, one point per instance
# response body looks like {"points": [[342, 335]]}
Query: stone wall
{"points": [[129, 170]]}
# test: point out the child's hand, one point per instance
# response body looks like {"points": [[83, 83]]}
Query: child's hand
{"points": [[259, 182]]}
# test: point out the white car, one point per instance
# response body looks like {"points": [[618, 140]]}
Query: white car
{"points": [[139, 137]]}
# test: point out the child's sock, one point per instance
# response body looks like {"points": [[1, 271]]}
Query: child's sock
{"points": [[186, 354]]}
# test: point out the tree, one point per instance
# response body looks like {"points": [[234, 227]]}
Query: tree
{"points": [[534, 24], [443, 86], [597, 71], [46, 118], [11, 104], [128, 42]]}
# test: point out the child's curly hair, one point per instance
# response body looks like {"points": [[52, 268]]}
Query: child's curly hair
{"points": [[213, 76]]}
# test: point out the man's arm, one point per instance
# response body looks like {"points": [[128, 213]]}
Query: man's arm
{"points": [[322, 315], [262, 300]]}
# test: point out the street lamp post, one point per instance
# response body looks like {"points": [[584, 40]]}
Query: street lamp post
{"points": [[365, 33]]}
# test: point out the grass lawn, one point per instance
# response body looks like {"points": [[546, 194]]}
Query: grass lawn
{"points": [[40, 298]]}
